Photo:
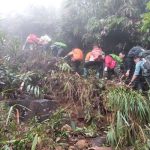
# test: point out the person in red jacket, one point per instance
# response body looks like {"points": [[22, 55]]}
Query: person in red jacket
{"points": [[112, 64], [31, 42]]}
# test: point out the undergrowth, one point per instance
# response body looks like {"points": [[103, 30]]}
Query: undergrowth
{"points": [[130, 118], [40, 76]]}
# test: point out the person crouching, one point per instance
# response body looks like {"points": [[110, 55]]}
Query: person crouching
{"points": [[94, 59], [113, 64], [76, 56]]}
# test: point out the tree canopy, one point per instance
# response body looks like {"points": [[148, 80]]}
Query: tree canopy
{"points": [[82, 22]]}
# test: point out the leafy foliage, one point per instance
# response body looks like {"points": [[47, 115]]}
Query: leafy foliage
{"points": [[21, 135], [95, 20], [130, 115], [37, 74], [146, 19], [146, 25]]}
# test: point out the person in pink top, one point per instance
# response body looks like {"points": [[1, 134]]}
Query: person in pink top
{"points": [[96, 53], [110, 63], [31, 42], [94, 59], [113, 63]]}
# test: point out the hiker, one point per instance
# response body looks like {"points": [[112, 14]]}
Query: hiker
{"points": [[31, 42], [137, 79], [143, 62], [76, 56], [95, 59], [130, 60], [113, 64], [58, 49], [45, 42]]}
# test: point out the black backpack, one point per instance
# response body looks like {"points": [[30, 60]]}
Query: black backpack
{"points": [[146, 66]]}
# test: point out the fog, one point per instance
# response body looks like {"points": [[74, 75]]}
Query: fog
{"points": [[22, 17], [18, 6]]}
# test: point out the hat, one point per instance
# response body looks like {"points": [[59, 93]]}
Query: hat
{"points": [[137, 56]]}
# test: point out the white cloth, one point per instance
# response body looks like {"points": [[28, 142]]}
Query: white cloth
{"points": [[45, 39], [105, 69], [91, 58]]}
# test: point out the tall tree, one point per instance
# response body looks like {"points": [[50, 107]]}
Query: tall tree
{"points": [[96, 20]]}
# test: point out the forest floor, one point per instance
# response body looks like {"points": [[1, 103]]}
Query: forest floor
{"points": [[44, 106]]}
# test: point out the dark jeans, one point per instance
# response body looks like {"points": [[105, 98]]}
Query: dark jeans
{"points": [[148, 80], [110, 73], [130, 65], [116, 72], [76, 66], [139, 83], [97, 65], [46, 47], [60, 52]]}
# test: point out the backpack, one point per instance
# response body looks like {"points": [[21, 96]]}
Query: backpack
{"points": [[60, 44], [116, 58], [146, 66], [144, 54]]}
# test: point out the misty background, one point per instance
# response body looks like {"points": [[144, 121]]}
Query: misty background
{"points": [[22, 17], [116, 24]]}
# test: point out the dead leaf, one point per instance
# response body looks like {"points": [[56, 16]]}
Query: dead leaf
{"points": [[71, 148], [100, 148], [66, 128], [59, 148], [81, 144], [58, 139]]}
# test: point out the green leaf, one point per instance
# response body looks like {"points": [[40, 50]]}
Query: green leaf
{"points": [[6, 147], [35, 91], [35, 142], [9, 114], [28, 88], [73, 125]]}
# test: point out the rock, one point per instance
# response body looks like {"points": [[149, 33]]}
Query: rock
{"points": [[71, 148], [41, 108], [98, 141], [66, 128], [81, 144], [100, 148]]}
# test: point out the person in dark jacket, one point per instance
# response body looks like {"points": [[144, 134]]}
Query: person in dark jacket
{"points": [[135, 51], [137, 79], [58, 49]]}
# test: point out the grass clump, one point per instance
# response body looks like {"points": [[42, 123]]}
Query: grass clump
{"points": [[130, 115]]}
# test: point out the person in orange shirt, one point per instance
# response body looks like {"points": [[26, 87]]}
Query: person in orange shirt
{"points": [[76, 56], [95, 59]]}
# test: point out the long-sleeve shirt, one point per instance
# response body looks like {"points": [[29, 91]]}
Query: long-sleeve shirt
{"points": [[76, 54], [138, 67], [110, 62]]}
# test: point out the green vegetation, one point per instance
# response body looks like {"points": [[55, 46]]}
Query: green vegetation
{"points": [[87, 108], [129, 118]]}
